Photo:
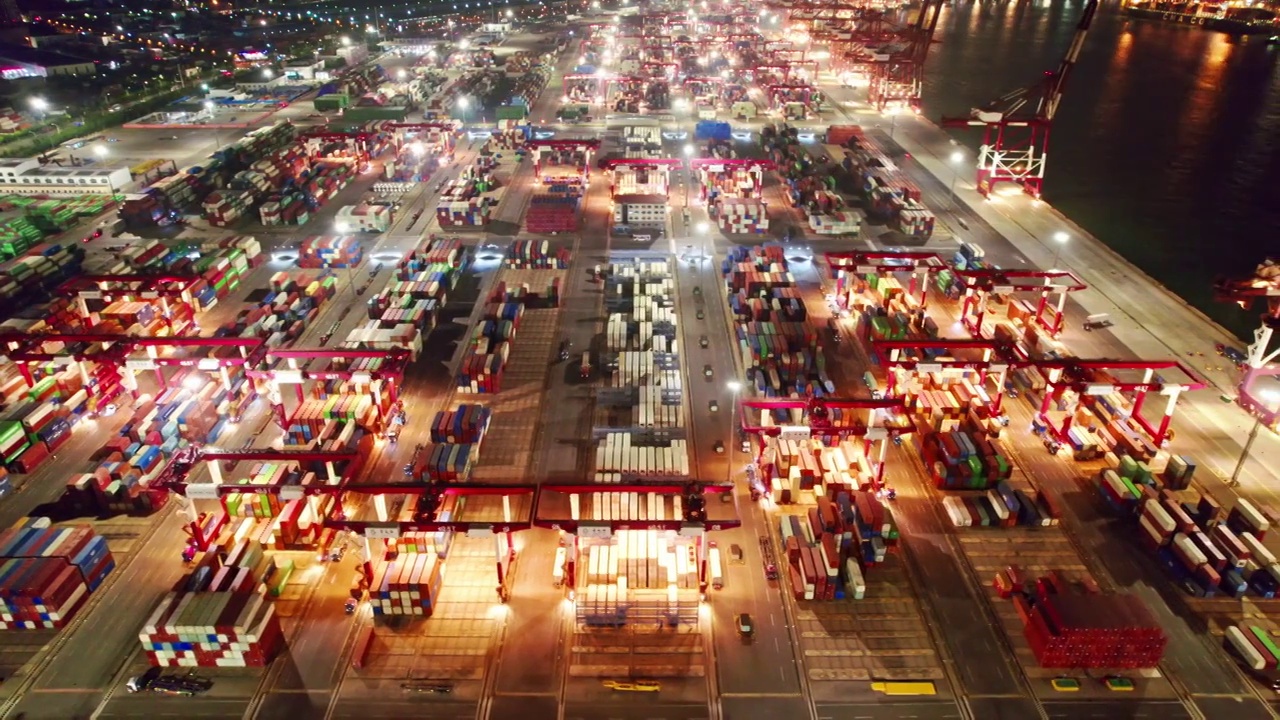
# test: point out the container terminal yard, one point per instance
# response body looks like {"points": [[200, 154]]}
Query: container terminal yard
{"points": [[684, 383]]}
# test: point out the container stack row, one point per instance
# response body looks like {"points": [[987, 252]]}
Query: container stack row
{"points": [[741, 217], [1002, 506], [1258, 648], [37, 269], [1069, 626], [552, 213], [47, 573], [800, 470], [620, 453], [889, 194], [343, 251], [466, 424], [829, 549], [473, 212], [363, 218], [963, 457], [225, 624], [1207, 551], [547, 296], [481, 369], [409, 585]]}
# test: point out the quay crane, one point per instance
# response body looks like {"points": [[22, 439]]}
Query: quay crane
{"points": [[1264, 284], [1016, 126], [899, 78]]}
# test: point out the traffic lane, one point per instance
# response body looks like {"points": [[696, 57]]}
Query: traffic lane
{"points": [[536, 619], [900, 710], [318, 641], [232, 688], [1245, 708], [965, 626], [411, 705], [639, 706], [766, 662], [1119, 710], [752, 706], [524, 707], [91, 656]]}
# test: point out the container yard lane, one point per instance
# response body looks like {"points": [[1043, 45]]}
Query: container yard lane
{"points": [[1193, 661]]}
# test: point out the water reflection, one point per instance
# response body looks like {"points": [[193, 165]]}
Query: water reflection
{"points": [[1167, 142]]}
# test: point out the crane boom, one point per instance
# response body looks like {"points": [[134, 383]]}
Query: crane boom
{"points": [[1059, 79], [1016, 125]]}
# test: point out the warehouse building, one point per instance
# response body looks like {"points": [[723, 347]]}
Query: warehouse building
{"points": [[26, 176]]}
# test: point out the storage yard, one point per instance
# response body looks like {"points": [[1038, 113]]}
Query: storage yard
{"points": [[659, 375]]}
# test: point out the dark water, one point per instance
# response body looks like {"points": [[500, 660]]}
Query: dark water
{"points": [[1166, 146]]}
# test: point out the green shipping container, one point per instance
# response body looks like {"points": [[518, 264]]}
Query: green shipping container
{"points": [[336, 101], [513, 112], [366, 114]]}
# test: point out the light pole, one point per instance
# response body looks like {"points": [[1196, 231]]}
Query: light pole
{"points": [[463, 103], [688, 158], [102, 152], [1268, 396], [734, 386], [893, 120], [1060, 240], [957, 157]]}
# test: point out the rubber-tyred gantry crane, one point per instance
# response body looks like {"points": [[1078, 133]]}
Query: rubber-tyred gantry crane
{"points": [[1260, 358], [1015, 140], [831, 417], [980, 284], [986, 357], [923, 266], [1095, 378], [360, 141], [293, 369], [693, 523]]}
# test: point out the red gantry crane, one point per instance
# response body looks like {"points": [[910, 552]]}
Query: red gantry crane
{"points": [[985, 357], [694, 521], [340, 364], [831, 417], [1015, 140], [923, 266], [1259, 358], [980, 284]]}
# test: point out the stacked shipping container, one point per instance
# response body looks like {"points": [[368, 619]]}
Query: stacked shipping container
{"points": [[1068, 628], [47, 573]]}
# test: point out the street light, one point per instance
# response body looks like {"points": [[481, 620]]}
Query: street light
{"points": [[39, 104], [893, 119], [463, 103], [734, 386], [1267, 397], [688, 153], [1060, 239], [102, 152], [957, 157]]}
